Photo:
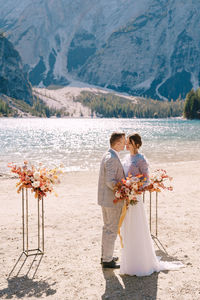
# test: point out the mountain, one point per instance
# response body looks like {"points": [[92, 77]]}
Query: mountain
{"points": [[13, 80], [143, 47], [16, 96]]}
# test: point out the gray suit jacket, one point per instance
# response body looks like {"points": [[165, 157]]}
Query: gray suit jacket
{"points": [[111, 172]]}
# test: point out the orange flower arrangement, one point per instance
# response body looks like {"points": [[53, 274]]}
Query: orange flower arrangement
{"points": [[159, 180], [127, 189], [39, 180]]}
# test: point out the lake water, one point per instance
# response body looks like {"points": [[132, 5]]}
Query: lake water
{"points": [[79, 143]]}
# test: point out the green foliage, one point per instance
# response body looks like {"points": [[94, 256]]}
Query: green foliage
{"points": [[109, 106], [42, 110], [192, 105], [5, 110], [10, 107]]}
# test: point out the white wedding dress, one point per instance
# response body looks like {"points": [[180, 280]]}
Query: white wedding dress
{"points": [[138, 255]]}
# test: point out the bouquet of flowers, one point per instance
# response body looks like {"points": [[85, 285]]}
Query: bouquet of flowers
{"points": [[127, 189], [39, 180], [160, 180]]}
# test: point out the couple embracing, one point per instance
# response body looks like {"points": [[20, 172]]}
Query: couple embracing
{"points": [[138, 255]]}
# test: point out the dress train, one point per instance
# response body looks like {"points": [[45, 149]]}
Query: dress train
{"points": [[138, 254]]}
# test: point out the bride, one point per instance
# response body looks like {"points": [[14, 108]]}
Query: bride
{"points": [[138, 254]]}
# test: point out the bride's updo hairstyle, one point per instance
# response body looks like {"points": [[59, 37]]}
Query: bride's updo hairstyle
{"points": [[136, 138]]}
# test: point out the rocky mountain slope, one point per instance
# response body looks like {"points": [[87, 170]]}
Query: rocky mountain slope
{"points": [[143, 47], [13, 80]]}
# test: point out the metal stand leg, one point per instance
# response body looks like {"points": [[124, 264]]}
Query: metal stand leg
{"points": [[27, 221], [23, 217], [155, 237], [150, 211], [156, 214], [143, 197], [25, 231], [42, 225], [38, 223]]}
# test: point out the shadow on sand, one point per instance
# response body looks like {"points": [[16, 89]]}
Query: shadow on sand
{"points": [[126, 287], [129, 287], [21, 281]]}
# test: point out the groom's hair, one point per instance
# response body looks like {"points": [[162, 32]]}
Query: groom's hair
{"points": [[115, 137]]}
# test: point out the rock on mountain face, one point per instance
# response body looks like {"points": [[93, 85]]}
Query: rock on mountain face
{"points": [[13, 80], [143, 47]]}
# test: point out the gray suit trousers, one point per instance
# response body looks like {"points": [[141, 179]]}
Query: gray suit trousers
{"points": [[111, 217]]}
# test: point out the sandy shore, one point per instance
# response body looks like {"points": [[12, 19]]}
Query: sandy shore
{"points": [[70, 268]]}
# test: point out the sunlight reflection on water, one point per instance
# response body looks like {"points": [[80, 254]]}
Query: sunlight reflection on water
{"points": [[80, 143]]}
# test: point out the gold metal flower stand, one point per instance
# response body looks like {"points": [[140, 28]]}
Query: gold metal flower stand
{"points": [[152, 196], [25, 225], [150, 211]]}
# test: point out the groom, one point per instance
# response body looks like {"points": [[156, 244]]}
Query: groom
{"points": [[111, 172]]}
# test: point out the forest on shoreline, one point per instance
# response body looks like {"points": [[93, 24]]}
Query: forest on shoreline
{"points": [[109, 105]]}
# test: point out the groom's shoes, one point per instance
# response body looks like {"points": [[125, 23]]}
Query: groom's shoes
{"points": [[111, 264], [115, 258]]}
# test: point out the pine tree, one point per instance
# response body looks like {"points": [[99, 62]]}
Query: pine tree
{"points": [[192, 105]]}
